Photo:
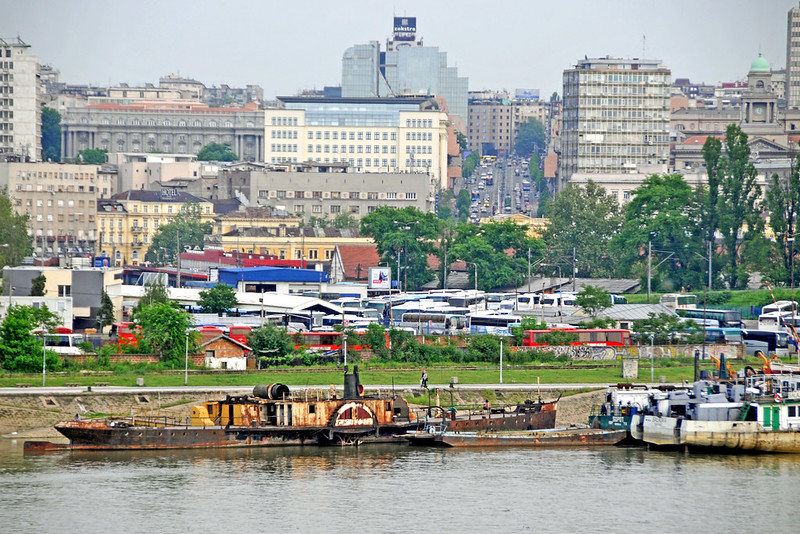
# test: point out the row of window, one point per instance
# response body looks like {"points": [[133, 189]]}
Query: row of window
{"points": [[284, 121], [59, 189], [6, 64], [62, 218], [27, 175], [333, 195], [59, 203], [360, 136], [353, 149], [419, 123], [120, 241], [166, 123], [284, 134], [7, 102]]}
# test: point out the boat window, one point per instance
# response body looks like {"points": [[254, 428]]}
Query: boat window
{"points": [[792, 411], [312, 408], [388, 406]]}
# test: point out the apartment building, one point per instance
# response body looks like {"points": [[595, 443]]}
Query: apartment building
{"points": [[61, 200], [615, 116], [792, 76], [20, 110], [127, 222]]}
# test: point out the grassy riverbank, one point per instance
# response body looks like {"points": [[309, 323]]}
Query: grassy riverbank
{"points": [[594, 374]]}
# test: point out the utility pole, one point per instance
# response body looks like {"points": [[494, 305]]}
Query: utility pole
{"points": [[574, 270], [178, 274], [529, 269], [649, 255]]}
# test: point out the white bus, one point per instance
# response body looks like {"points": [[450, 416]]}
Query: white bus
{"points": [[434, 322], [64, 343], [494, 323], [679, 301]]}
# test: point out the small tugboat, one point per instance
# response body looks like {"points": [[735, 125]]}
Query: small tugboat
{"points": [[272, 415]]}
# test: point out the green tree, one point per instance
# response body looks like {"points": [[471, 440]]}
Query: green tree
{"points": [[712, 155], [218, 299], [527, 322], [463, 203], [662, 211], [586, 219], [270, 341], [461, 139], [739, 216], [105, 315], [445, 209], [164, 331], [20, 350], [782, 202], [154, 293], [37, 285], [666, 329], [93, 156], [51, 135], [499, 249], [554, 97], [593, 299], [14, 241], [216, 152], [530, 138], [470, 163], [186, 229], [345, 220], [407, 234]]}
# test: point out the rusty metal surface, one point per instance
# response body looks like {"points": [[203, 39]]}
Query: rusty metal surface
{"points": [[565, 438]]}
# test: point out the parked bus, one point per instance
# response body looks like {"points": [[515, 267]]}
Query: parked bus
{"points": [[240, 333], [729, 336], [778, 321], [493, 324], [488, 159], [601, 337], [726, 318], [777, 342], [62, 340], [330, 341], [434, 322], [678, 301]]}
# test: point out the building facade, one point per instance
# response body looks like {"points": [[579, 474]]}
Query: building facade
{"points": [[615, 116], [325, 192], [405, 67], [20, 110], [406, 135], [792, 77], [181, 127], [61, 201], [127, 222]]}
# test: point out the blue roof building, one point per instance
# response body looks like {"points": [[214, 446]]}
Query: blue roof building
{"points": [[274, 279]]}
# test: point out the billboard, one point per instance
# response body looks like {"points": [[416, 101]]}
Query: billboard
{"points": [[380, 278], [405, 28]]}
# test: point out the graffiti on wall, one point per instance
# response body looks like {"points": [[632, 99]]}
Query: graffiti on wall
{"points": [[594, 353]]}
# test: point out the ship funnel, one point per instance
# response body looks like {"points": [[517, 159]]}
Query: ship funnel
{"points": [[352, 385]]}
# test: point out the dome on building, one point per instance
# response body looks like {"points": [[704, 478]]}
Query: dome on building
{"points": [[760, 64]]}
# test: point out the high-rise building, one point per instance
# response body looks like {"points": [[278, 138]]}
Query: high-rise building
{"points": [[793, 59], [20, 112], [615, 116], [406, 67]]}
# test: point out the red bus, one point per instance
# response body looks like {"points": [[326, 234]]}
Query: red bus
{"points": [[127, 333], [240, 333], [328, 341], [601, 337]]}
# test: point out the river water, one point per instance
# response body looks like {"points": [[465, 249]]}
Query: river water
{"points": [[387, 488]]}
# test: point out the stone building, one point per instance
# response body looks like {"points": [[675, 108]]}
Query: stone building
{"points": [[182, 127]]}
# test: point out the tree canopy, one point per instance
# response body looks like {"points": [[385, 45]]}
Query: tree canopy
{"points": [[270, 341], [185, 230], [20, 350], [216, 152], [586, 219], [14, 241], [51, 135], [105, 315], [93, 156], [218, 299], [593, 299], [165, 330], [531, 137]]}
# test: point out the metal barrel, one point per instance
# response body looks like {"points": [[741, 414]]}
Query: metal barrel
{"points": [[272, 391]]}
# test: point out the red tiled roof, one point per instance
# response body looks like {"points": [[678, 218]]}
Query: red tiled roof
{"points": [[550, 165], [357, 259], [700, 139]]}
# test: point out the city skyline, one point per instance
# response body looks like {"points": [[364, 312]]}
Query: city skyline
{"points": [[514, 45]]}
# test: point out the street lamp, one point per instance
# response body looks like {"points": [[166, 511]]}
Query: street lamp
{"points": [[652, 367]]}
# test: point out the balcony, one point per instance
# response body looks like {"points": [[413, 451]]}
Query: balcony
{"points": [[137, 229]]}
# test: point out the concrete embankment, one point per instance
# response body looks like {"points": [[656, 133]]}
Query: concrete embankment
{"points": [[32, 414]]}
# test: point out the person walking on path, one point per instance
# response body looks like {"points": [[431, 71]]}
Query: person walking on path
{"points": [[424, 381]]}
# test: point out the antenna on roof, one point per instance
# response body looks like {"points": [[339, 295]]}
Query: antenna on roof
{"points": [[644, 46]]}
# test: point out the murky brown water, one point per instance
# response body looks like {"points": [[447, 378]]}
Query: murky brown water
{"points": [[395, 489]]}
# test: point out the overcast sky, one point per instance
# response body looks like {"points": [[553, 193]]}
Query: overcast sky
{"points": [[286, 46]]}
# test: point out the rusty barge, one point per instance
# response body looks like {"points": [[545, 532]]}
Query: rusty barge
{"points": [[272, 415], [554, 437]]}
